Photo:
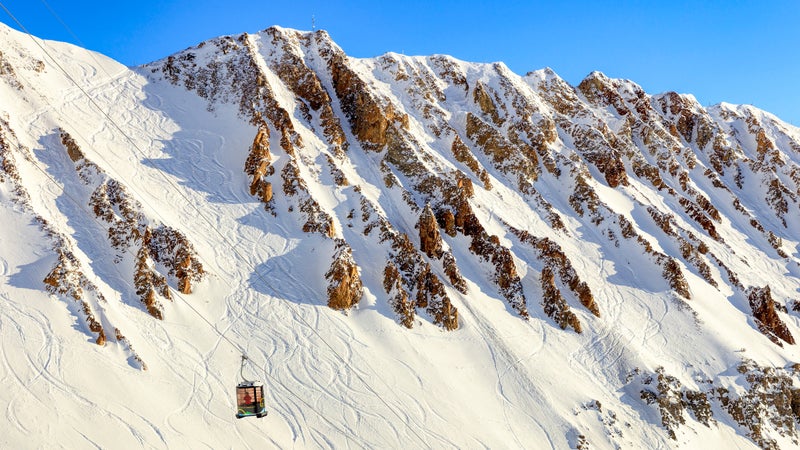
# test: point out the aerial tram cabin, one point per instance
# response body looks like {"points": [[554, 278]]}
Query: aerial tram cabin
{"points": [[249, 397]]}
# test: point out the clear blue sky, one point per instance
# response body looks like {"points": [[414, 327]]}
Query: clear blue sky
{"points": [[735, 51]]}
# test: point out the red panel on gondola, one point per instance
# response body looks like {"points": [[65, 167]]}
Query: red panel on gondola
{"points": [[250, 400]]}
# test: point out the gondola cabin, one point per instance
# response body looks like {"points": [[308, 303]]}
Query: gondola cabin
{"points": [[250, 400]]}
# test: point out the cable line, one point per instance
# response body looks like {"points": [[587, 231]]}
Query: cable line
{"points": [[255, 270], [177, 293]]}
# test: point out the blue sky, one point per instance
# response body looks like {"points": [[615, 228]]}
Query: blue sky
{"points": [[735, 51]]}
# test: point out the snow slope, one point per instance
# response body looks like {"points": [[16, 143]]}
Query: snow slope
{"points": [[177, 133]]}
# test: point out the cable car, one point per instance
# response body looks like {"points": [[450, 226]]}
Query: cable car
{"points": [[249, 397]]}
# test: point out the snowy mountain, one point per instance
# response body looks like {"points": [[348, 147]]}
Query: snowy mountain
{"points": [[413, 252]]}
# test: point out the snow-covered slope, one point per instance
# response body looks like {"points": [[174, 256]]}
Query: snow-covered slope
{"points": [[413, 252]]}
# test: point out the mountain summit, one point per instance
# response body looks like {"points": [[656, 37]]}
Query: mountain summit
{"points": [[412, 251]]}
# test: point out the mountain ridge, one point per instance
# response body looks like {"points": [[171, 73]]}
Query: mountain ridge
{"points": [[437, 194]]}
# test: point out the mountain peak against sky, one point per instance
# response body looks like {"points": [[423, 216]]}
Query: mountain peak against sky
{"points": [[698, 48], [412, 251]]}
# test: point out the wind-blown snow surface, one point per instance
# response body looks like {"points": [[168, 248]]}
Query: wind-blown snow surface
{"points": [[357, 379]]}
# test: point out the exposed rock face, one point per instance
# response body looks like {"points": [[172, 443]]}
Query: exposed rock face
{"points": [[505, 155], [674, 275], [429, 237], [429, 293], [665, 392], [554, 304], [464, 155], [398, 296], [149, 283], [483, 97], [555, 259], [761, 400], [127, 226], [453, 273], [373, 124], [259, 165], [345, 288], [444, 133], [407, 279], [317, 219], [305, 83], [766, 317], [432, 296], [67, 278], [488, 248]]}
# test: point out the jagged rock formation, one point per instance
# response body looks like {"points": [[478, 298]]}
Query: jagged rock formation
{"points": [[259, 165], [766, 317], [345, 288], [554, 304], [67, 278], [129, 227], [516, 130], [554, 258], [149, 283], [761, 400], [430, 240]]}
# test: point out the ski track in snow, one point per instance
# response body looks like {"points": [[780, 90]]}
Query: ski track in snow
{"points": [[506, 364], [46, 368]]}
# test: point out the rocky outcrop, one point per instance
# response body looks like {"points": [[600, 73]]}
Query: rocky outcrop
{"points": [[317, 219], [489, 249], [408, 280], [148, 282], [125, 342], [9, 173], [371, 121], [259, 166], [113, 205], [463, 155], [768, 403], [505, 155], [554, 304], [453, 273], [674, 275], [694, 256], [429, 237], [398, 296], [696, 213], [485, 99], [427, 290], [556, 261], [306, 84], [664, 391], [344, 282], [67, 279], [432, 296], [761, 400], [584, 198], [767, 319]]}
